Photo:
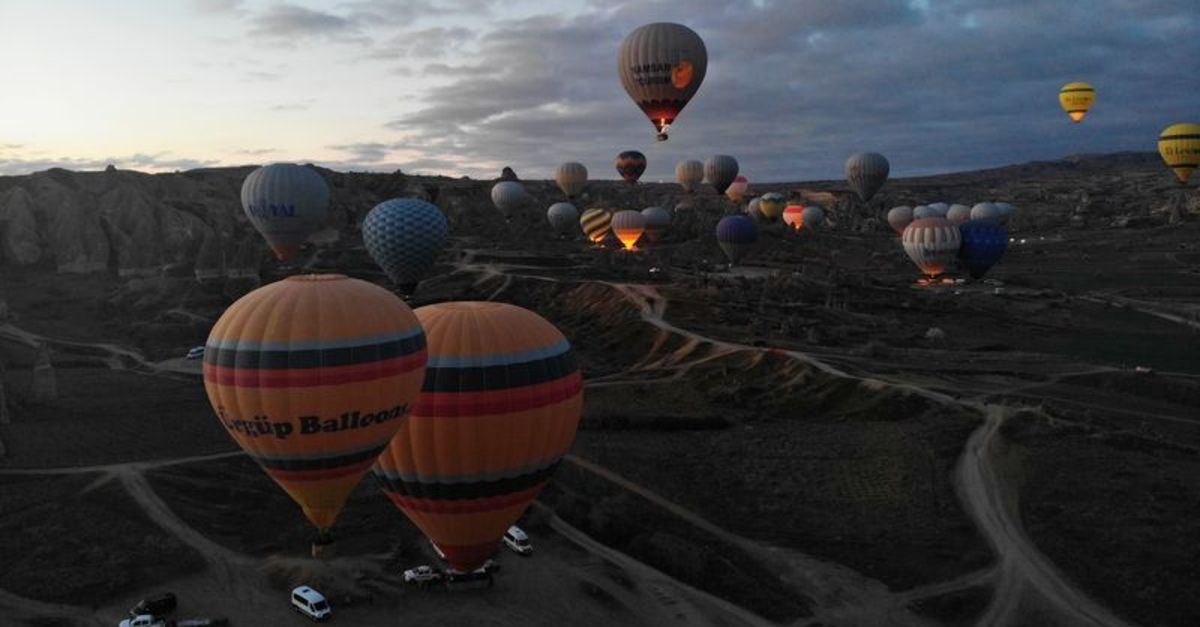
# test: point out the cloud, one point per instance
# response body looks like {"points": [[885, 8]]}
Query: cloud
{"points": [[796, 86], [287, 24], [294, 106], [217, 7], [155, 162], [255, 152], [259, 76], [367, 152]]}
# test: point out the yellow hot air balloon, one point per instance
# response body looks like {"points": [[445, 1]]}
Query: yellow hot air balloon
{"points": [[312, 376], [499, 408], [596, 224], [1076, 99], [772, 205], [1179, 146]]}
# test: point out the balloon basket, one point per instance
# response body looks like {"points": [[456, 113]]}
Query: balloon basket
{"points": [[323, 547]]}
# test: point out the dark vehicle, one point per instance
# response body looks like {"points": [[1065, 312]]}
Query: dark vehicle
{"points": [[157, 605], [480, 578]]}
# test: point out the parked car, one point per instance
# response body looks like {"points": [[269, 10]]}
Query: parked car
{"points": [[144, 620], [195, 353], [516, 540], [423, 575], [492, 566], [311, 603], [157, 605], [479, 578]]}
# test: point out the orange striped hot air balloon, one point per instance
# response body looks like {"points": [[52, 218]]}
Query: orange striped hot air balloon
{"points": [[500, 406], [793, 216], [312, 376]]}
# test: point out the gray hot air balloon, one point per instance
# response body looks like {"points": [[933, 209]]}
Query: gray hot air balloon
{"points": [[719, 171], [985, 211], [866, 173], [689, 173], [658, 220], [813, 216], [508, 196], [571, 178], [286, 203], [920, 212], [932, 244], [1006, 210], [564, 218], [661, 65], [940, 208], [753, 210], [899, 217], [957, 214]]}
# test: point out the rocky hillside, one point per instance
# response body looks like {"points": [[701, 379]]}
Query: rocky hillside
{"points": [[134, 224]]}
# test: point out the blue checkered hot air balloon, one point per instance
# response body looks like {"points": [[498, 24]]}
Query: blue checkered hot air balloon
{"points": [[404, 236], [983, 244]]}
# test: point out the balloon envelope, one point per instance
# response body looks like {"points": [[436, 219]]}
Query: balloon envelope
{"points": [[661, 65], [1076, 99], [689, 174], [720, 171], [1179, 146], [404, 236], [958, 214], [596, 224], [499, 408], [772, 205], [571, 178], [983, 244], [312, 376], [509, 196], [931, 243], [735, 236], [286, 203], [866, 172], [754, 208], [985, 211], [793, 216], [899, 217], [628, 226], [564, 218], [658, 220], [737, 188], [630, 165], [813, 216], [921, 212]]}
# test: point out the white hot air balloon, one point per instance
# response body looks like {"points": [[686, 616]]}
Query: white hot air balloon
{"points": [[689, 174], [571, 178], [286, 203], [985, 211], [509, 196], [940, 208], [899, 217], [812, 217], [920, 212], [957, 214], [932, 244]]}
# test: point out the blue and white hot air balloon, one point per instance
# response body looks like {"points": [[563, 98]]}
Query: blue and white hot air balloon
{"points": [[404, 236]]}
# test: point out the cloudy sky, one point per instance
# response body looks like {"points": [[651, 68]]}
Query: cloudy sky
{"points": [[467, 86]]}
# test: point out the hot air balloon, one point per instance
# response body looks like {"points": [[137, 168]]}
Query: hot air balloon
{"points": [[630, 164], [1179, 145], [689, 173], [571, 178], [735, 235], [720, 171], [931, 243], [899, 218], [286, 203], [866, 173], [1076, 99], [404, 236], [793, 216], [772, 205], [564, 218], [1005, 210], [661, 66], [985, 211], [812, 217], [983, 244], [509, 196], [499, 408], [754, 208], [596, 224], [658, 220], [920, 212], [957, 214], [940, 209], [737, 188], [312, 376], [628, 225]]}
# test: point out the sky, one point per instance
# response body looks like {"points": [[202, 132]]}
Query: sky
{"points": [[466, 87]]}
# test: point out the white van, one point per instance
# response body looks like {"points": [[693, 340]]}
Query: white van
{"points": [[516, 540], [311, 603]]}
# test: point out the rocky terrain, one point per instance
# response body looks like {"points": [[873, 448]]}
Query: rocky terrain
{"points": [[808, 439]]}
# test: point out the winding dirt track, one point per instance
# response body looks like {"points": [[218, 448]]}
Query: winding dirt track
{"points": [[842, 596]]}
